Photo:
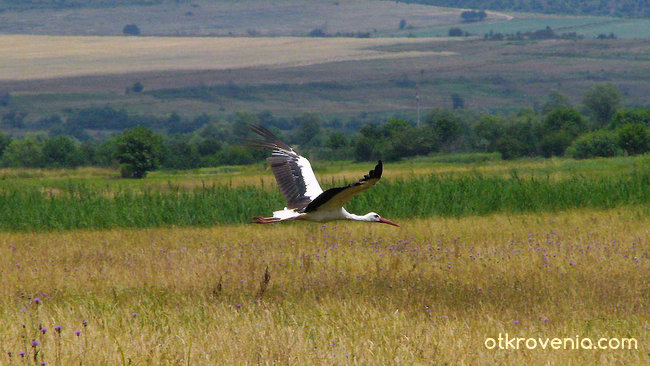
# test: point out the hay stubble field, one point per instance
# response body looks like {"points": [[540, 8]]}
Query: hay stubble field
{"points": [[432, 290]]}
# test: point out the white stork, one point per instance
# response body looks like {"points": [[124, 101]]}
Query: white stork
{"points": [[299, 186]]}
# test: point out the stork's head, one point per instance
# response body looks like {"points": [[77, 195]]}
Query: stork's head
{"points": [[374, 217]]}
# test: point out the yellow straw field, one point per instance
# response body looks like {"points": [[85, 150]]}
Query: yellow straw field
{"points": [[432, 291], [42, 57]]}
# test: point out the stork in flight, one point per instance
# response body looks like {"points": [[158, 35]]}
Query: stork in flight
{"points": [[299, 186]]}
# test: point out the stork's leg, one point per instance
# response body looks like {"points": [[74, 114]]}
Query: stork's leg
{"points": [[265, 220]]}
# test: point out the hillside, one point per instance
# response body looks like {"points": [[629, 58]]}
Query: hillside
{"points": [[622, 8]]}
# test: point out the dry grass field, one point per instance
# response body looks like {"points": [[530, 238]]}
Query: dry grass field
{"points": [[431, 291], [51, 57]]}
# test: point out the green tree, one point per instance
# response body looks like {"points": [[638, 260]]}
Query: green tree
{"points": [[138, 151], [457, 102], [638, 115], [25, 152], [131, 30], [241, 121], [602, 101], [179, 153], [489, 129], [444, 126], [13, 119], [61, 152], [555, 100], [4, 142], [336, 140], [555, 143], [567, 120], [308, 129], [594, 144]]}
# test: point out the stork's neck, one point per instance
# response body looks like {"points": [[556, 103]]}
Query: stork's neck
{"points": [[351, 216]]}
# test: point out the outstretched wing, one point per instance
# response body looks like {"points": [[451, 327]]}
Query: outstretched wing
{"points": [[339, 196], [293, 172]]}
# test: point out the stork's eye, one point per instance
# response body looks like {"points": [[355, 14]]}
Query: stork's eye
{"points": [[376, 216]]}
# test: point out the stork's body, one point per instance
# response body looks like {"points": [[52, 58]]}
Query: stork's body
{"points": [[306, 200]]}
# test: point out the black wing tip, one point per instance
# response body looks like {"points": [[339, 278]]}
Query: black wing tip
{"points": [[376, 173], [268, 141]]}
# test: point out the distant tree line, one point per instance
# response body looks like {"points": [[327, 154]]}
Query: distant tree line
{"points": [[599, 127], [622, 8], [470, 16], [540, 34]]}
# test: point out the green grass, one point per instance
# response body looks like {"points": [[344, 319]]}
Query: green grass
{"points": [[75, 205]]}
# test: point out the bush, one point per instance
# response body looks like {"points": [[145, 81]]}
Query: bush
{"points": [[455, 32], [555, 144], [510, 148], [131, 30], [634, 138], [594, 144], [639, 115]]}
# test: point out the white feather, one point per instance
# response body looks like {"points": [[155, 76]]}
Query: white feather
{"points": [[311, 183]]}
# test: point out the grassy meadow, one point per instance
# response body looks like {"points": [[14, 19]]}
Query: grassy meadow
{"points": [[417, 189], [165, 271], [431, 291]]}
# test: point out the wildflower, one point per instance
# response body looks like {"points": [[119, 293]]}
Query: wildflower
{"points": [[58, 329], [77, 332], [135, 315], [238, 306], [545, 319], [37, 300], [516, 322], [35, 343], [21, 353], [332, 344], [43, 330], [9, 353], [84, 322]]}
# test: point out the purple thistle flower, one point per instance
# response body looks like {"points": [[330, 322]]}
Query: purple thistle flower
{"points": [[238, 306], [77, 332], [545, 319], [37, 300], [43, 330], [84, 322], [57, 328], [21, 353], [9, 353], [135, 315], [35, 343], [516, 322]]}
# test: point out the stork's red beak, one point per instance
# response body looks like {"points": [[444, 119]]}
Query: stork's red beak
{"points": [[386, 221]]}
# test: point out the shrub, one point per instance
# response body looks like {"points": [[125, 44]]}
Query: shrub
{"points": [[555, 144], [634, 138], [131, 30], [639, 115], [594, 144], [455, 32]]}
